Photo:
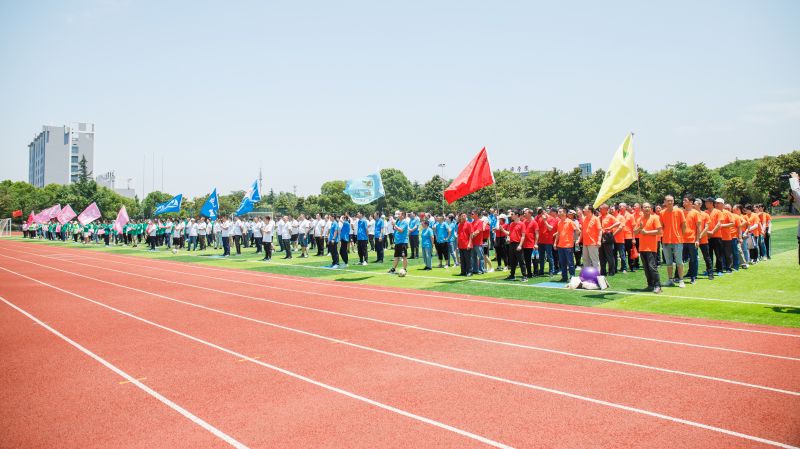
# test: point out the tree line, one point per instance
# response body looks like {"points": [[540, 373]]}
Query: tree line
{"points": [[741, 181]]}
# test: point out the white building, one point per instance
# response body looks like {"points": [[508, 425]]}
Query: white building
{"points": [[54, 154]]}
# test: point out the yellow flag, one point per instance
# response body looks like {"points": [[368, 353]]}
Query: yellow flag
{"points": [[621, 172]]}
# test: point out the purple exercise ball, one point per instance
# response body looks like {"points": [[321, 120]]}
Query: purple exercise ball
{"points": [[589, 274]]}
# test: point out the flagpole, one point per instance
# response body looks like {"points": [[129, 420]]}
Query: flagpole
{"points": [[638, 183]]}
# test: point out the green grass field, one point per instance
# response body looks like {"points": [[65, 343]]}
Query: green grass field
{"points": [[767, 293]]}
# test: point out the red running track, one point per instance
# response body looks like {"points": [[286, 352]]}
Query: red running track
{"points": [[506, 394]]}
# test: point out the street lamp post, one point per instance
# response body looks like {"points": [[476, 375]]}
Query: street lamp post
{"points": [[442, 166]]}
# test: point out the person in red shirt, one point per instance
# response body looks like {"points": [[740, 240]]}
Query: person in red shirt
{"points": [[516, 240], [477, 243], [500, 242], [547, 228], [648, 229], [464, 242], [608, 265], [531, 239], [565, 243]]}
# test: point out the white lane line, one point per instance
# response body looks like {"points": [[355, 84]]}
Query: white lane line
{"points": [[400, 325], [470, 315], [412, 292], [447, 367], [264, 364], [130, 379]]}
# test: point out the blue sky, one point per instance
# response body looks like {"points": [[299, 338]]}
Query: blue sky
{"points": [[313, 91]]}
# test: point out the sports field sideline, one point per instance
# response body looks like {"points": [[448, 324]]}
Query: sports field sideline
{"points": [[125, 351]]}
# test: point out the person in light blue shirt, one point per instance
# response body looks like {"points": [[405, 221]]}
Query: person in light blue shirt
{"points": [[401, 230], [413, 233], [362, 238], [379, 237], [453, 223], [426, 240], [333, 241], [344, 238], [492, 226], [442, 234]]}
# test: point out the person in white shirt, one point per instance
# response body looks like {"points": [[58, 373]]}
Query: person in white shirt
{"points": [[279, 225], [266, 230], [286, 237], [371, 233], [319, 232], [202, 231], [152, 230], [217, 230], [177, 235], [236, 231], [192, 226], [225, 232], [257, 227], [302, 235], [390, 222], [168, 232], [294, 226]]}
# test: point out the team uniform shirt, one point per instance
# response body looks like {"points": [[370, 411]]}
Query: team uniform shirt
{"points": [[714, 217], [304, 226], [672, 222], [725, 217], [378, 227], [344, 234], [692, 220], [332, 230], [649, 243], [515, 231], [442, 232], [267, 230], [257, 229], [530, 228], [319, 228], [755, 224], [371, 227], [477, 226], [413, 226], [607, 222], [630, 222], [294, 227], [426, 237], [590, 228], [202, 227], [286, 231], [566, 233], [362, 231], [401, 236], [464, 235]]}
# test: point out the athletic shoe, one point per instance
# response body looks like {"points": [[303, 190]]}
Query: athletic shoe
{"points": [[524, 279], [364, 263], [391, 271], [510, 278], [670, 283], [491, 270], [681, 284], [344, 265], [657, 290], [334, 266], [693, 280]]}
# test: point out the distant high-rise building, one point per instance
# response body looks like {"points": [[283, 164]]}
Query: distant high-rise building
{"points": [[586, 169], [55, 153]]}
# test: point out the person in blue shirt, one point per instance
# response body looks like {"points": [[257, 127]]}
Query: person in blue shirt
{"points": [[362, 238], [379, 237], [344, 238], [413, 232], [453, 223], [401, 230], [426, 240], [442, 234], [492, 226], [333, 241]]}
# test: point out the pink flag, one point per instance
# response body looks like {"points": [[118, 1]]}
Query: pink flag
{"points": [[44, 216], [90, 214], [66, 214], [122, 219], [54, 211]]}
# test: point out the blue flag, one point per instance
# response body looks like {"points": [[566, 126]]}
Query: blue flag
{"points": [[251, 197], [173, 205], [210, 208], [365, 190]]}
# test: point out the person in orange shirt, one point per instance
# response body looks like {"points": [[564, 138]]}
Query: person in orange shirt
{"points": [[740, 255], [608, 266], [718, 221], [726, 223], [691, 240], [754, 231], [766, 227], [565, 242], [648, 229], [619, 240], [591, 233], [637, 217], [630, 222], [702, 237], [673, 222]]}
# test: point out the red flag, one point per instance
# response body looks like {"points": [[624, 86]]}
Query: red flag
{"points": [[776, 203], [16, 213], [31, 217], [475, 176]]}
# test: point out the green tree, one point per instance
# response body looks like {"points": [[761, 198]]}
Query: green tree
{"points": [[397, 187], [699, 180], [332, 198], [735, 190]]}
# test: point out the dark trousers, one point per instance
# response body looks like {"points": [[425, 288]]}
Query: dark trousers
{"points": [[727, 251], [515, 260], [500, 249], [267, 250], [344, 248], [620, 247], [372, 242], [466, 260], [202, 240], [414, 246], [320, 246], [527, 261], [153, 242], [705, 250], [237, 240], [378, 250], [545, 254], [690, 254], [334, 253], [608, 264], [362, 250], [226, 246], [566, 262], [718, 257], [287, 247], [443, 251], [650, 269], [259, 242], [766, 243]]}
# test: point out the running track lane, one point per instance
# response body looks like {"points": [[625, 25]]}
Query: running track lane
{"points": [[258, 406], [694, 331], [776, 373], [527, 413], [51, 379]]}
